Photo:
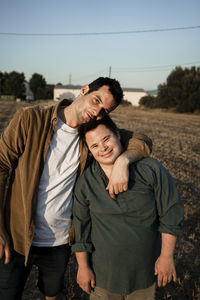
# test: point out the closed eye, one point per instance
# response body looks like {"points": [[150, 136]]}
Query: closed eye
{"points": [[93, 146], [106, 138], [97, 100]]}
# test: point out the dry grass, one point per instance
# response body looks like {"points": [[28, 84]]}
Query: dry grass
{"points": [[176, 141]]}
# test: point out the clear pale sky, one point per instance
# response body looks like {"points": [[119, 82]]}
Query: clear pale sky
{"points": [[137, 60]]}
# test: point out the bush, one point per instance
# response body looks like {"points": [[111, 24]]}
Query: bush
{"points": [[147, 101]]}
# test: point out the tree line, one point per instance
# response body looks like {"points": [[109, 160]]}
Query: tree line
{"points": [[181, 92], [13, 84]]}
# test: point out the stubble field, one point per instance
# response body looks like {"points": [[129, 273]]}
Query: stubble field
{"points": [[176, 143]]}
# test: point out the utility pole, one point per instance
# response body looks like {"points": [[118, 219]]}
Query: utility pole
{"points": [[109, 72]]}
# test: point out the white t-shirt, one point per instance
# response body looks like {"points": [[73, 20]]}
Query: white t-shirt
{"points": [[54, 208]]}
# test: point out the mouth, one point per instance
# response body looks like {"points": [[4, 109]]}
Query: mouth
{"points": [[107, 154], [90, 116]]}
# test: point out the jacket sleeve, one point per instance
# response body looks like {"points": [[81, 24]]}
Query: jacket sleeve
{"points": [[136, 141], [81, 219], [12, 144]]}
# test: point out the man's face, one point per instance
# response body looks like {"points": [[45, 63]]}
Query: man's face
{"points": [[95, 104], [104, 145]]}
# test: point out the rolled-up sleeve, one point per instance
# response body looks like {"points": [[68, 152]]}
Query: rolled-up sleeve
{"points": [[169, 205], [81, 220], [136, 141]]}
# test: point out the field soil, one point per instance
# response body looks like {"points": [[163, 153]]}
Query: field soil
{"points": [[176, 143]]}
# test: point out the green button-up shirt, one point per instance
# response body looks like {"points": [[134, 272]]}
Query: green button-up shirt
{"points": [[23, 148], [124, 235]]}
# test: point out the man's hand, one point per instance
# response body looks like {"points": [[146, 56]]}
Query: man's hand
{"points": [[86, 279], [165, 269], [118, 181], [5, 246]]}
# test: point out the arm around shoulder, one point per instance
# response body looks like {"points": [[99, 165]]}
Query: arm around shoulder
{"points": [[136, 147], [138, 142]]}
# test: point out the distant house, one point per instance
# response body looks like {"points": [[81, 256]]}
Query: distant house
{"points": [[72, 91], [133, 95]]}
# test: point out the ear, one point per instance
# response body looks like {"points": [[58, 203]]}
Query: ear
{"points": [[84, 89]]}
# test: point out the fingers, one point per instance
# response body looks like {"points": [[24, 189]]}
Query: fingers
{"points": [[93, 283], [116, 189], [121, 188], [5, 251], [110, 189], [86, 279], [7, 254], [164, 279], [156, 271], [5, 246], [84, 285], [1, 251], [174, 276], [85, 288]]}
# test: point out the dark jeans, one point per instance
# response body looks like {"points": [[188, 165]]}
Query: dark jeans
{"points": [[51, 263]]}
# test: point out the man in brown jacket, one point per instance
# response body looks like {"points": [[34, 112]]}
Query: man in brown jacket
{"points": [[40, 157]]}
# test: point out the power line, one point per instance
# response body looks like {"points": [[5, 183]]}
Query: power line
{"points": [[154, 68], [83, 77], [100, 33], [131, 70]]}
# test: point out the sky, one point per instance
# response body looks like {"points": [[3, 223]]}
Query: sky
{"points": [[138, 58]]}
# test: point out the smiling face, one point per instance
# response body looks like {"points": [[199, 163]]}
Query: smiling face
{"points": [[94, 105], [104, 145]]}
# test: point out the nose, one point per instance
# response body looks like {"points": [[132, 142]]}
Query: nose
{"points": [[103, 147]]}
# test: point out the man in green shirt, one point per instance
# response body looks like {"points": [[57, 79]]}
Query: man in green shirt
{"points": [[131, 239]]}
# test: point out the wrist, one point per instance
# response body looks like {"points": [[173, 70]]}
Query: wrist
{"points": [[167, 255], [83, 267], [123, 159]]}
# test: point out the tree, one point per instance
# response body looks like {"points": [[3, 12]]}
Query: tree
{"points": [[37, 85], [13, 84], [1, 83], [181, 91], [49, 91]]}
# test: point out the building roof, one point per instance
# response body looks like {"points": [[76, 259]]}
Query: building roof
{"points": [[68, 86], [78, 87], [133, 90]]}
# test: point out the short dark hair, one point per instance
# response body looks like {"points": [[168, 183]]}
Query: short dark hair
{"points": [[113, 84], [106, 121]]}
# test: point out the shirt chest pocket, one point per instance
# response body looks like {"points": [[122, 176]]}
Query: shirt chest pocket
{"points": [[137, 202]]}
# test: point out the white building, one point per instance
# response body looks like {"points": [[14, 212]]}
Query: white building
{"points": [[134, 95], [71, 92]]}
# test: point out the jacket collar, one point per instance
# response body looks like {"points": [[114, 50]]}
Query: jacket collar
{"points": [[56, 107]]}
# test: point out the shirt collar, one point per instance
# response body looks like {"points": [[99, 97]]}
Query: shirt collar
{"points": [[64, 102], [97, 168]]}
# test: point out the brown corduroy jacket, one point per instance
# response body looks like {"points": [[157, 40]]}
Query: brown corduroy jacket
{"points": [[23, 148]]}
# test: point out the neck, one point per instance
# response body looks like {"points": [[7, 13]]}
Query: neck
{"points": [[70, 117]]}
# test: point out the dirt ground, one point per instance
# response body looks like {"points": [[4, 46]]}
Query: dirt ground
{"points": [[176, 143]]}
